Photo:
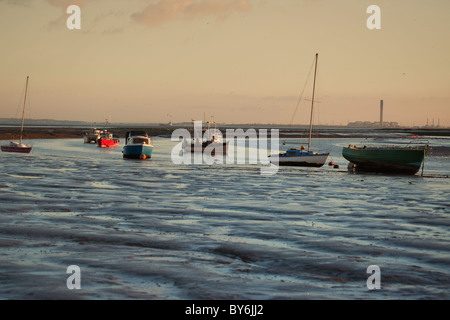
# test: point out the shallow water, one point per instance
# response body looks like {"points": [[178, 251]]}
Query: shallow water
{"points": [[155, 230]]}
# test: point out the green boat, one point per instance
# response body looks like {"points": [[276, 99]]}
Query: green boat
{"points": [[400, 160]]}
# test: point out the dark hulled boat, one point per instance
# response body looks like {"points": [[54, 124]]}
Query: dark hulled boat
{"points": [[211, 142], [385, 159], [19, 147], [16, 147]]}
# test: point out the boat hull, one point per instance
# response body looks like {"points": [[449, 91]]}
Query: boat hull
{"points": [[383, 160], [107, 143], [16, 149], [213, 147], [91, 138], [315, 160], [137, 151]]}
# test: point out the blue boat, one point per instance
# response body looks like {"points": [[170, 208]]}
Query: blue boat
{"points": [[137, 145]]}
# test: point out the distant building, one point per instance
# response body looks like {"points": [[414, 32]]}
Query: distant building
{"points": [[432, 125], [370, 124]]}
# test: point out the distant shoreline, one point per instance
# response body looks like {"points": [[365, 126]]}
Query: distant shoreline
{"points": [[13, 132]]}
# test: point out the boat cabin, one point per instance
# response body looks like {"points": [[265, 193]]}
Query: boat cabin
{"points": [[138, 140], [297, 152], [137, 137]]}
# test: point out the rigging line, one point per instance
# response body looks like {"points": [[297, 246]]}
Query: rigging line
{"points": [[317, 105], [28, 107], [19, 106], [301, 95]]}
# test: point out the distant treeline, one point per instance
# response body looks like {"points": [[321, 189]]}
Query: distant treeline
{"points": [[43, 122]]}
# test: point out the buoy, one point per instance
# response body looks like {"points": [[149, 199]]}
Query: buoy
{"points": [[143, 156], [331, 163], [336, 166]]}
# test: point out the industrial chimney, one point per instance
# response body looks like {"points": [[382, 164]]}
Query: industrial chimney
{"points": [[381, 113]]}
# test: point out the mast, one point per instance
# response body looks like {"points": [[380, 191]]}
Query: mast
{"points": [[23, 112], [312, 104]]}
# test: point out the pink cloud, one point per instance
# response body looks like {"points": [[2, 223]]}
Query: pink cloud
{"points": [[65, 3], [168, 10]]}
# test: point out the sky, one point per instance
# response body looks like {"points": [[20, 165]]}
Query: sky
{"points": [[231, 61]]}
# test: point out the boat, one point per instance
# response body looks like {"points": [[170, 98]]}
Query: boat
{"points": [[16, 147], [212, 139], [92, 136], [137, 145], [19, 147], [385, 159], [107, 140], [301, 157]]}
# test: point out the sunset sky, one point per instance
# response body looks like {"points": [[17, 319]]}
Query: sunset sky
{"points": [[240, 61]]}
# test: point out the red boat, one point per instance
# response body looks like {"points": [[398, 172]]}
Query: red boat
{"points": [[19, 147], [105, 143], [107, 140], [16, 147]]}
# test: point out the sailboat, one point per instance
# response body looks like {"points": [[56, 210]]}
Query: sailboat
{"points": [[301, 157], [19, 146]]}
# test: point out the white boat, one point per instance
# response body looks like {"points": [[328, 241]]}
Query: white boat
{"points": [[91, 136], [19, 147], [301, 157]]}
